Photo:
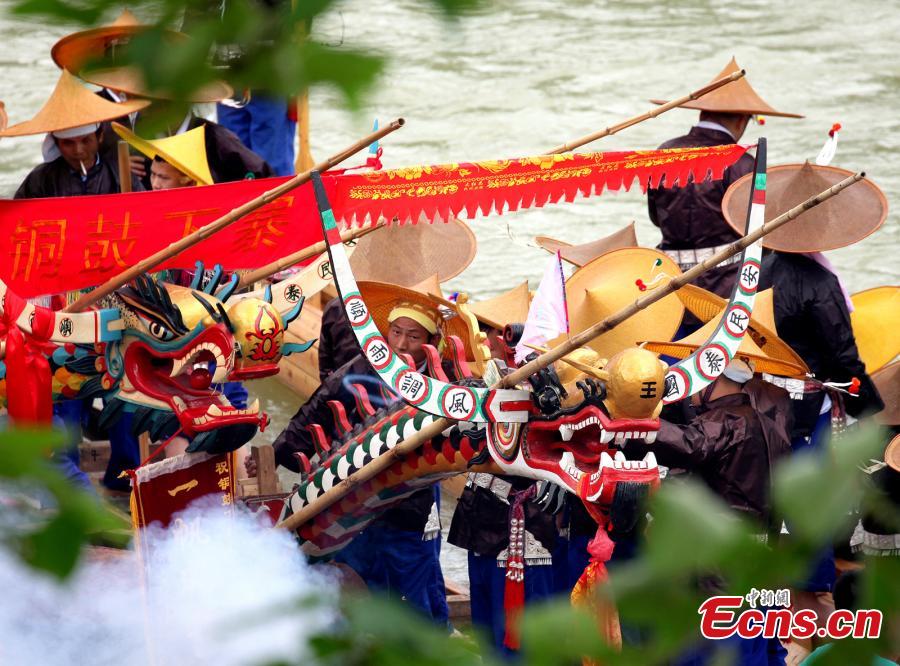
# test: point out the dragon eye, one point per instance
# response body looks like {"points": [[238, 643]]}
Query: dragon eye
{"points": [[159, 331]]}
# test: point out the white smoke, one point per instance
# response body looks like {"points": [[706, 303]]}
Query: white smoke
{"points": [[217, 590]]}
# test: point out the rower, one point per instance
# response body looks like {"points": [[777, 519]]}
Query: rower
{"points": [[394, 552], [73, 165], [177, 161], [229, 159], [690, 217]]}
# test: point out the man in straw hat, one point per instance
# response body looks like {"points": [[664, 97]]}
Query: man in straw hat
{"points": [[229, 159], [690, 217], [177, 161], [811, 306], [71, 119], [393, 552], [417, 256]]}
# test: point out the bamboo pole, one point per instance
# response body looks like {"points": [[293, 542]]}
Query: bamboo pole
{"points": [[124, 166], [388, 458], [91, 297], [652, 113], [287, 261]]}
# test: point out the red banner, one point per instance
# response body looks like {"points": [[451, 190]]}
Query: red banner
{"points": [[55, 245]]}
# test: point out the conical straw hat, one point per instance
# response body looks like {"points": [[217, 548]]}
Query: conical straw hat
{"points": [[430, 285], [586, 252], [72, 105], [892, 454], [748, 351], [876, 325], [381, 298], [735, 97], [611, 282], [510, 307], [706, 306], [75, 53], [186, 151], [841, 221], [407, 254], [887, 381]]}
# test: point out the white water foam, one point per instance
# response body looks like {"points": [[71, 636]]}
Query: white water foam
{"points": [[219, 590]]}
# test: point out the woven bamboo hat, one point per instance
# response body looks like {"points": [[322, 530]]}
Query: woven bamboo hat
{"points": [[75, 53], [508, 308], [876, 325], [586, 252], [382, 298], [735, 97], [887, 380], [72, 105], [705, 306], [748, 352], [611, 282], [892, 454], [841, 221], [186, 151], [407, 254]]}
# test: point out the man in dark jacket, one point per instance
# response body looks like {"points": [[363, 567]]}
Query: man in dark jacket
{"points": [[80, 168], [690, 218], [812, 317], [397, 552]]}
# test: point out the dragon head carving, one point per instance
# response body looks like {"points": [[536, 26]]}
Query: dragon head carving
{"points": [[583, 414], [166, 351]]}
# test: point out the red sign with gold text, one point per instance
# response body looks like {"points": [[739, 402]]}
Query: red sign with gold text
{"points": [[56, 245]]}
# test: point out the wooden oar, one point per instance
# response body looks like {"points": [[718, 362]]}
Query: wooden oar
{"points": [[388, 458], [91, 297], [124, 166], [263, 272], [652, 113]]}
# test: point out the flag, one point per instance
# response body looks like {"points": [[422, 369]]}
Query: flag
{"points": [[548, 316]]}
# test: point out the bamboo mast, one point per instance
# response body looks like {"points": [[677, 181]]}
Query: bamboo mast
{"points": [[91, 297], [388, 458], [652, 113]]}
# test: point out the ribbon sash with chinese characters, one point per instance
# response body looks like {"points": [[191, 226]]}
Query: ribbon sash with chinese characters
{"points": [[55, 245]]}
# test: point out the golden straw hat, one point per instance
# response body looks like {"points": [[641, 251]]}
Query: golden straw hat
{"points": [[748, 351], [839, 222], [887, 381], [705, 305], [75, 53], [609, 283], [382, 297], [735, 97], [586, 252], [876, 325], [510, 307], [186, 151], [407, 254], [71, 105], [892, 454]]}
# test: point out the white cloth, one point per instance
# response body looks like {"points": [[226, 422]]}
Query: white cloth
{"points": [[709, 124], [548, 316]]}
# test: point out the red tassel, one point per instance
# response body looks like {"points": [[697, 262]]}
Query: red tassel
{"points": [[514, 591], [854, 386]]}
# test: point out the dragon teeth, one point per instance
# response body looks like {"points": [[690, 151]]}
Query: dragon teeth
{"points": [[620, 438], [650, 460], [214, 410], [179, 403], [606, 460], [606, 436], [254, 407], [566, 432], [650, 437]]}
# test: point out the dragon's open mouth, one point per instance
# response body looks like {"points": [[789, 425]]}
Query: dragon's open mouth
{"points": [[182, 380], [577, 448]]}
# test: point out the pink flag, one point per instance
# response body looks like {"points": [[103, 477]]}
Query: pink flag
{"points": [[548, 316]]}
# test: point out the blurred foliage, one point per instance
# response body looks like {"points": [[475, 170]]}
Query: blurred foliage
{"points": [[51, 540], [693, 539], [252, 44]]}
